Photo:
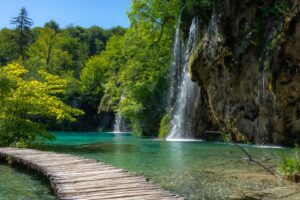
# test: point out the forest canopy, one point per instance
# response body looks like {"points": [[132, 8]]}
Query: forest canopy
{"points": [[55, 78]]}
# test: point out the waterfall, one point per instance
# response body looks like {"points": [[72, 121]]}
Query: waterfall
{"points": [[119, 125], [263, 86], [184, 93], [176, 66]]}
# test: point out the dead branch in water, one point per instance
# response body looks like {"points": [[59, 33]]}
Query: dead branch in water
{"points": [[256, 162]]}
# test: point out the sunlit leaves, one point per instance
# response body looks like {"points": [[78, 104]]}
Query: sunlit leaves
{"points": [[27, 102], [92, 76], [14, 71], [48, 50], [135, 65]]}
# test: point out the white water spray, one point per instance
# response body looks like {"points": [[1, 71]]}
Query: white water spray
{"points": [[183, 90], [119, 125]]}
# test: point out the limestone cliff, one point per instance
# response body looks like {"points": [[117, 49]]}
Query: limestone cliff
{"points": [[247, 64]]}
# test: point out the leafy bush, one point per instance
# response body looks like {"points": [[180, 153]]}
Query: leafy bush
{"points": [[290, 167]]}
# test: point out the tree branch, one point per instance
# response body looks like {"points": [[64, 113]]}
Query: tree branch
{"points": [[256, 162]]}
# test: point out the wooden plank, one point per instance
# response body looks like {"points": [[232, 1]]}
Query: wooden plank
{"points": [[76, 178]]}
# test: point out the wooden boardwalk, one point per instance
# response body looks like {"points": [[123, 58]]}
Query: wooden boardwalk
{"points": [[73, 177]]}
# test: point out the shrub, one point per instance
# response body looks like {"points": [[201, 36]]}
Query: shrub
{"points": [[290, 167]]}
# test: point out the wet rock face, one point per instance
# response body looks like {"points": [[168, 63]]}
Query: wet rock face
{"points": [[248, 66]]}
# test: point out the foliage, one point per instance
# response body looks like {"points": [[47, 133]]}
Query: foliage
{"points": [[290, 167], [277, 8], [64, 52], [92, 76], [137, 63], [26, 104], [201, 8], [96, 63], [23, 24], [96, 40], [48, 50], [8, 46], [164, 127], [53, 25]]}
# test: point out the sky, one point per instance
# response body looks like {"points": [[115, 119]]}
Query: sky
{"points": [[85, 13]]}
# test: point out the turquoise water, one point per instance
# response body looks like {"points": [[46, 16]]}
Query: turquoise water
{"points": [[194, 170], [19, 184]]}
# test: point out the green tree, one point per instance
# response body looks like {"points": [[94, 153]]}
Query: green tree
{"points": [[96, 40], [8, 46], [137, 64], [47, 50], [117, 31], [109, 63], [27, 103], [52, 24], [23, 24], [93, 76]]}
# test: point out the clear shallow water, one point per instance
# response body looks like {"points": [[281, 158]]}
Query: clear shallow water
{"points": [[195, 170], [19, 184]]}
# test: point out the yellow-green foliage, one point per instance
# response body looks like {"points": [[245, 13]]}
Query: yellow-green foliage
{"points": [[92, 76], [290, 167], [164, 126], [27, 102], [48, 50]]}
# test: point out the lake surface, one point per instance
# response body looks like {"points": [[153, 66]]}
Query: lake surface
{"points": [[19, 184], [192, 169]]}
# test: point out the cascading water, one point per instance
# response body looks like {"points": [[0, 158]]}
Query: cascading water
{"points": [[263, 86], [184, 92], [119, 125], [176, 66]]}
